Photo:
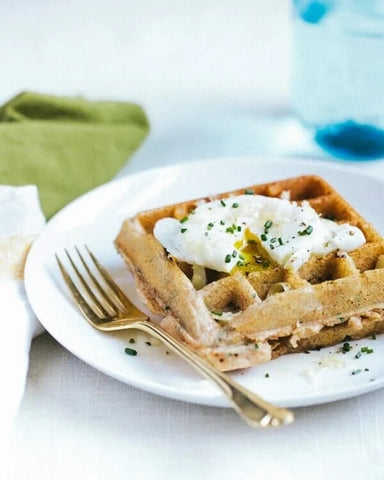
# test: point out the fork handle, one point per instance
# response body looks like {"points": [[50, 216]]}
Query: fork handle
{"points": [[255, 410]]}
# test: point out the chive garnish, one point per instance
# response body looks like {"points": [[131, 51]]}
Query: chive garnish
{"points": [[183, 230], [228, 258], [355, 372], [263, 237], [184, 219], [306, 231], [229, 230], [223, 203], [268, 224], [346, 347], [249, 192], [132, 340], [210, 226], [217, 313], [235, 205], [130, 351], [367, 350], [222, 222]]}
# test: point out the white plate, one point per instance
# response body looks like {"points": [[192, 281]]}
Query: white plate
{"points": [[95, 218]]}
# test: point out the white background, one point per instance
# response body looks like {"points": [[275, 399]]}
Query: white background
{"points": [[214, 78]]}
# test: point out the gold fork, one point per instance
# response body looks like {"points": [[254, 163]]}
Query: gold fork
{"points": [[107, 308]]}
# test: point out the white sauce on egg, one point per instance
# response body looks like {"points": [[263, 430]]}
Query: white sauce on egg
{"points": [[289, 233]]}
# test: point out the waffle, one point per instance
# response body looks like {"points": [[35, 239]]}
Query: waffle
{"points": [[247, 318]]}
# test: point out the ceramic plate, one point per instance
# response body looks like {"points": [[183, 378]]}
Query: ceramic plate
{"points": [[95, 218]]}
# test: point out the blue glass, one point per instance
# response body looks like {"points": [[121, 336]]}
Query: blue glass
{"points": [[338, 75]]}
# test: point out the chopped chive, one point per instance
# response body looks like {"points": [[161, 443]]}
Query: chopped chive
{"points": [[228, 258], [306, 231], [217, 312], [268, 224], [223, 203], [256, 346], [148, 343], [130, 351], [355, 372], [183, 230], [234, 253], [266, 375], [184, 219], [229, 230], [366, 350], [235, 205], [222, 222], [358, 355], [373, 337], [280, 241], [132, 340], [239, 228], [210, 226], [249, 192], [346, 347], [263, 237]]}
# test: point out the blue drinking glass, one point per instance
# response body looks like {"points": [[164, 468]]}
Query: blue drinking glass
{"points": [[338, 74]]}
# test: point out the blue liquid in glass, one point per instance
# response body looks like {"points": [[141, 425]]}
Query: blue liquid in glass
{"points": [[351, 140]]}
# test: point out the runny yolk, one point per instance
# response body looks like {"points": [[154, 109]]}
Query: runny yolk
{"points": [[252, 255]]}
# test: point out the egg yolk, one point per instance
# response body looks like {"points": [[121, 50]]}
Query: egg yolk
{"points": [[252, 255]]}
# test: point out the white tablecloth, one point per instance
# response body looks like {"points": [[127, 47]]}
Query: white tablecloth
{"points": [[214, 79]]}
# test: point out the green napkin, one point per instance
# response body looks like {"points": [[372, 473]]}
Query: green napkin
{"points": [[66, 146]]}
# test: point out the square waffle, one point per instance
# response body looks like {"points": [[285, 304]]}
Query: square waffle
{"points": [[250, 317]]}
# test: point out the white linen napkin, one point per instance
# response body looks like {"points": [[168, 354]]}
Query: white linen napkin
{"points": [[21, 219]]}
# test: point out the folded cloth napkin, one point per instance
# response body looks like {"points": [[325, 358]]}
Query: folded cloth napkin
{"points": [[66, 145], [58, 148], [21, 220]]}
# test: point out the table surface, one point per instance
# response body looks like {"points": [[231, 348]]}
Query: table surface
{"points": [[214, 80]]}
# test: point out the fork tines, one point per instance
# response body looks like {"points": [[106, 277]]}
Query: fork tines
{"points": [[95, 292]]}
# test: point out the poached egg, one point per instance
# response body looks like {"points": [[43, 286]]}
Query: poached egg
{"points": [[252, 232]]}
